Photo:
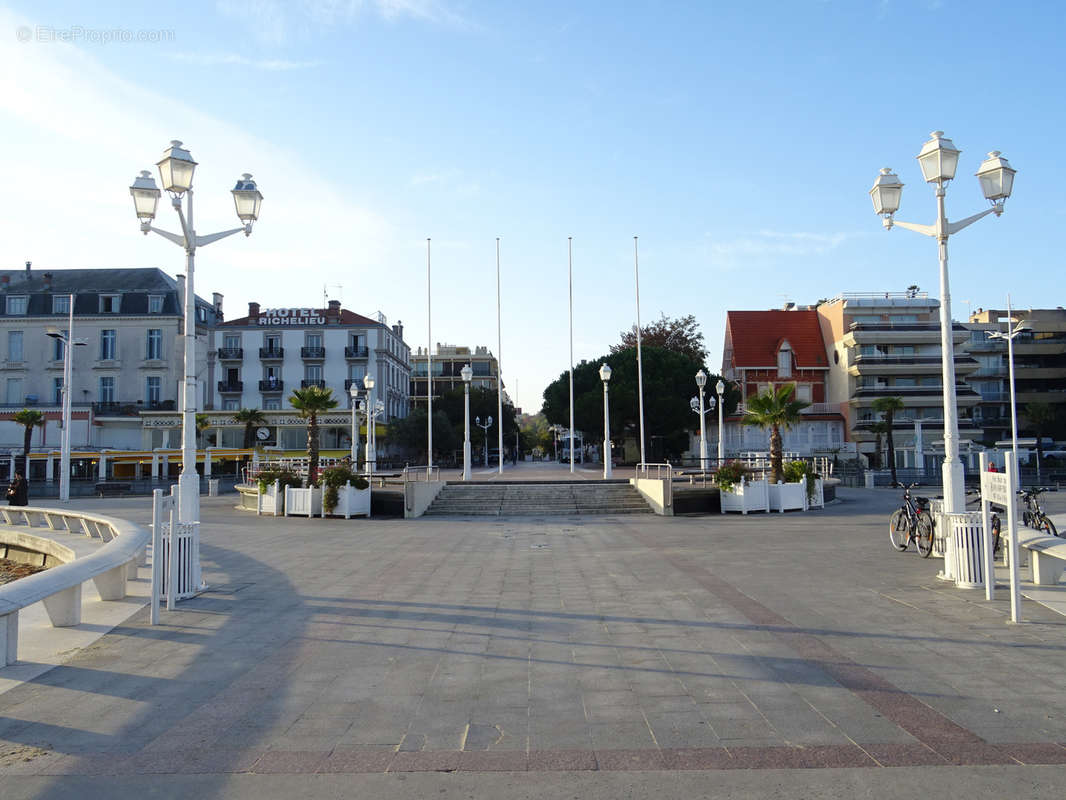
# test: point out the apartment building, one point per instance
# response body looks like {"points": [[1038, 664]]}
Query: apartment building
{"points": [[130, 324], [448, 362], [887, 344], [766, 349]]}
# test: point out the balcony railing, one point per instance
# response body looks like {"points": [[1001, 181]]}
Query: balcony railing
{"points": [[230, 353], [314, 353], [995, 397], [306, 382], [356, 352], [901, 326], [271, 353], [117, 409], [877, 359], [911, 391], [230, 386], [813, 408], [272, 385], [349, 381]]}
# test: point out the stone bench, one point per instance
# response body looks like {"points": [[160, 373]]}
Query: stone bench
{"points": [[1047, 556], [113, 489]]}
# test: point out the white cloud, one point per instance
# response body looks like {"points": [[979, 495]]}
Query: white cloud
{"points": [[233, 59]]}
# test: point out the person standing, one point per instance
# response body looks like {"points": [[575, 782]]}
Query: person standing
{"points": [[18, 491]]}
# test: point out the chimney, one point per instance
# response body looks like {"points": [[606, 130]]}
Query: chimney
{"points": [[28, 265], [398, 329], [5, 280], [253, 309], [48, 280], [216, 300], [334, 309]]}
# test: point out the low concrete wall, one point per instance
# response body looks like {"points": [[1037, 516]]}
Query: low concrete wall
{"points": [[658, 493], [418, 496], [37, 551]]}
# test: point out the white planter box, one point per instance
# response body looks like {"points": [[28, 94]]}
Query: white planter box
{"points": [[272, 501], [303, 502], [352, 502], [788, 496], [746, 496]]}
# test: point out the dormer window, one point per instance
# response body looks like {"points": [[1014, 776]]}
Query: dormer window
{"points": [[16, 304], [109, 303], [61, 304], [155, 304], [784, 361]]}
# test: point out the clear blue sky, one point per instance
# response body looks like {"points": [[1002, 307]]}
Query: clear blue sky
{"points": [[737, 139]]}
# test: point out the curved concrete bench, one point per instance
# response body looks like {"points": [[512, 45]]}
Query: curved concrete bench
{"points": [[1047, 556], [59, 588]]}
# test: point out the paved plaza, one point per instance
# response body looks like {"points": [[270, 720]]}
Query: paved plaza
{"points": [[788, 655]]}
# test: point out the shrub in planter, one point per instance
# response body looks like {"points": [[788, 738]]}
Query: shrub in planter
{"points": [[284, 478], [333, 479], [795, 470], [729, 475]]}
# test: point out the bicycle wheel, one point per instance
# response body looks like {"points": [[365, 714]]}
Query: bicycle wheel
{"points": [[996, 542], [1047, 526], [1027, 518], [898, 529], [923, 535]]}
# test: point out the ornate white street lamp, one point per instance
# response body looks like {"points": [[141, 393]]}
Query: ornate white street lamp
{"points": [[605, 376], [467, 374], [701, 382], [371, 438], [1009, 335], [939, 159], [485, 428], [176, 169], [720, 389], [353, 392], [68, 368]]}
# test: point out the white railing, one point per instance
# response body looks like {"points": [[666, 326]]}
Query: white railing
{"points": [[60, 587], [663, 470], [424, 473]]}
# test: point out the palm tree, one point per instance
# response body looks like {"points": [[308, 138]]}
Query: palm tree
{"points": [[29, 419], [202, 424], [888, 406], [249, 417], [310, 402], [1041, 416], [775, 409], [878, 429]]}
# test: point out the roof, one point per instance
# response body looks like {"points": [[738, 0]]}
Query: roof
{"points": [[756, 336], [346, 318]]}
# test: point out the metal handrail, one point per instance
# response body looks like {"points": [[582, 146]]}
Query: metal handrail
{"points": [[645, 467], [423, 473]]}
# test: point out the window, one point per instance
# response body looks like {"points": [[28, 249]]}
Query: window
{"points": [[107, 344], [357, 372], [313, 372], [152, 390], [61, 304], [57, 391], [784, 361], [107, 390], [14, 346], [803, 392], [273, 342], [313, 340], [57, 349], [201, 315], [231, 405], [14, 391], [271, 404], [16, 304], [154, 349], [155, 304], [109, 303], [231, 341]]}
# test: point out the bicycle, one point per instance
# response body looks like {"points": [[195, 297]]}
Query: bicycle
{"points": [[912, 522], [994, 523], [1034, 515]]}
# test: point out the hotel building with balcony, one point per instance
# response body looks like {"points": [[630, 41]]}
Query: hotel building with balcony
{"points": [[887, 344], [448, 361]]}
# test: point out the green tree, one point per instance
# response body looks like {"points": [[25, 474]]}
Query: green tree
{"points": [[409, 434], [888, 406], [250, 418], [878, 429], [202, 424], [1040, 417], [482, 404], [28, 419], [669, 383], [682, 335], [775, 409], [311, 402]]}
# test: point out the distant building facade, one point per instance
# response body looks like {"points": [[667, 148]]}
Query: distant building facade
{"points": [[448, 362]]}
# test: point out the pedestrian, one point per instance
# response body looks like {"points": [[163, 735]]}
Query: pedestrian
{"points": [[18, 491], [992, 467]]}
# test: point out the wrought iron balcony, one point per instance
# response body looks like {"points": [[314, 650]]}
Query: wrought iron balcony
{"points": [[306, 382], [230, 353], [356, 352], [230, 386], [111, 408], [313, 353], [272, 385], [271, 353]]}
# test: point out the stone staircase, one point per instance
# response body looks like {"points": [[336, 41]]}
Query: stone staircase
{"points": [[538, 499]]}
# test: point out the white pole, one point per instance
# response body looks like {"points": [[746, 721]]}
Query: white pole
{"points": [[640, 367], [499, 359], [570, 274], [954, 486], [1013, 484], [429, 364], [466, 431], [355, 432], [1013, 403], [606, 434], [703, 435], [721, 432], [189, 481], [371, 456], [68, 369]]}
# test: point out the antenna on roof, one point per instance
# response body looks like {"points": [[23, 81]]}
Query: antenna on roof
{"points": [[325, 293]]}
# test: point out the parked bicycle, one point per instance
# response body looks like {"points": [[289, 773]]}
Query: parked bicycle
{"points": [[912, 522], [1034, 515], [995, 524]]}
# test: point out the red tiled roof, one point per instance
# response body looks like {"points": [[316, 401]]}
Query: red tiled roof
{"points": [[757, 335]]}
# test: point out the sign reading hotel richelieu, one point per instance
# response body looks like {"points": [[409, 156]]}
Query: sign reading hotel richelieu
{"points": [[291, 316]]}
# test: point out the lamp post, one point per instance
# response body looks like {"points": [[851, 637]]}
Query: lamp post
{"points": [[353, 392], [720, 389], [467, 374], [371, 443], [485, 428], [1009, 335], [939, 159], [176, 172], [68, 341], [605, 376], [701, 382]]}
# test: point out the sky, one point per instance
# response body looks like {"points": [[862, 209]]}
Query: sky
{"points": [[738, 141]]}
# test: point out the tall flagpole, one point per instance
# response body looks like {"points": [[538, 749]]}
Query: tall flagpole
{"points": [[429, 364], [499, 357], [640, 365], [570, 273]]}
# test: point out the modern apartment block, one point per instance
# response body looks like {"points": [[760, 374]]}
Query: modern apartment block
{"points": [[766, 349], [131, 322], [1039, 365], [448, 361], [258, 360], [887, 344]]}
